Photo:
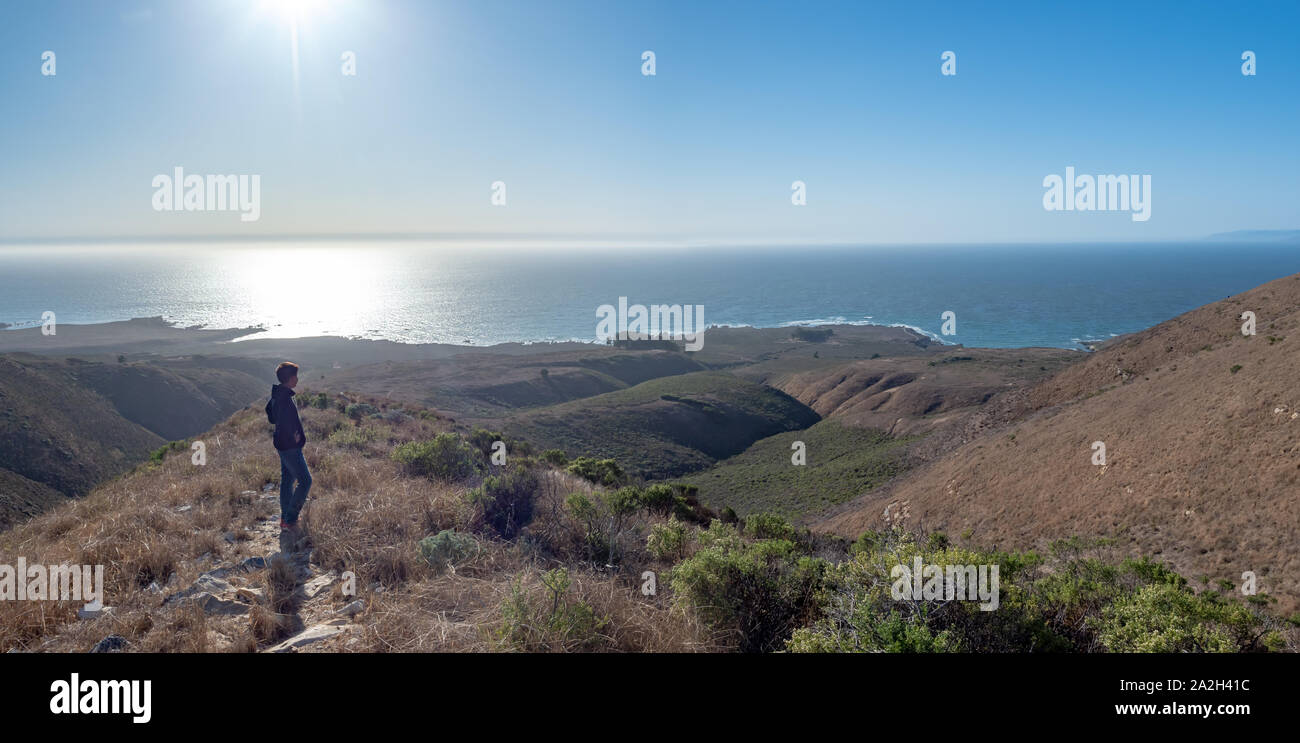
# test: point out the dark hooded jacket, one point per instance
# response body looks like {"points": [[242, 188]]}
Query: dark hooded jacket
{"points": [[282, 411]]}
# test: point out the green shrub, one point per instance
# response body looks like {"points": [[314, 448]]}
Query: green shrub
{"points": [[586, 513], [667, 541], [660, 498], [506, 500], [359, 437], [768, 526], [1163, 618], [556, 457], [448, 547], [687, 506], [359, 410], [483, 439], [445, 457], [1075, 602], [866, 543], [320, 401], [757, 592], [600, 471], [891, 632], [859, 613], [551, 621], [161, 453], [619, 506], [604, 519]]}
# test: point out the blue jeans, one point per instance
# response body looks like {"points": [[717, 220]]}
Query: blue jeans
{"points": [[293, 467]]}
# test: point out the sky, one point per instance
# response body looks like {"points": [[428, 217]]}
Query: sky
{"points": [[549, 98]]}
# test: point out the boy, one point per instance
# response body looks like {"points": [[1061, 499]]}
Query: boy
{"points": [[289, 439]]}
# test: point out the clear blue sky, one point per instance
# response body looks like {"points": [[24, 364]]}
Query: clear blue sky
{"points": [[548, 96]]}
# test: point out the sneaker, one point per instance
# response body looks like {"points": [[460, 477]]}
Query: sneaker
{"points": [[285, 525]]}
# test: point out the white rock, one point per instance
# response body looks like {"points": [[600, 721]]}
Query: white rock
{"points": [[207, 583], [217, 605], [353, 609], [319, 583], [315, 633], [93, 610]]}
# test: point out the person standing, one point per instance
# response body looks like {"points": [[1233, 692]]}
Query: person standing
{"points": [[289, 438]]}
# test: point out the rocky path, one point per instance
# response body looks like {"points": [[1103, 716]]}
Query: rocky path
{"points": [[297, 595]]}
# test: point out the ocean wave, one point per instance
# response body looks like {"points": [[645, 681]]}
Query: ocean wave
{"points": [[841, 320], [932, 336], [837, 320]]}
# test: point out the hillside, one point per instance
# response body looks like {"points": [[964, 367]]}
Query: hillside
{"points": [[69, 424], [908, 395], [488, 385], [1202, 468], [61, 433], [841, 462], [666, 427], [21, 498], [880, 416], [195, 561], [402, 552], [174, 398]]}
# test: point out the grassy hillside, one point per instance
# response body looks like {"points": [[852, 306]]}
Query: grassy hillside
{"points": [[177, 398], [913, 395], [411, 553], [483, 385], [59, 432], [666, 427], [21, 498], [69, 424], [841, 463], [194, 561], [1202, 468]]}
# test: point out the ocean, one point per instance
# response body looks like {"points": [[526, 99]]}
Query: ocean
{"points": [[1002, 295]]}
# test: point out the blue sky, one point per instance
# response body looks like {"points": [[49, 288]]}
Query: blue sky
{"points": [[748, 97]]}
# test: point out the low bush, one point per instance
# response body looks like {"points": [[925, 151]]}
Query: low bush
{"points": [[600, 471], [506, 501], [550, 619], [359, 410], [667, 541], [445, 457], [556, 457], [359, 437], [756, 592], [448, 547]]}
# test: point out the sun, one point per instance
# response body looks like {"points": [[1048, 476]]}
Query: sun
{"points": [[298, 16], [293, 11]]}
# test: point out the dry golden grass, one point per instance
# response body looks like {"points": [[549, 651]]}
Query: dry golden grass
{"points": [[365, 516], [1203, 472]]}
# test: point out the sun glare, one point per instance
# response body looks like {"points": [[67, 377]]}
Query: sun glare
{"points": [[293, 11], [296, 15]]}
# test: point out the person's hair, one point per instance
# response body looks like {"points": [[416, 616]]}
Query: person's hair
{"points": [[285, 371]]}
